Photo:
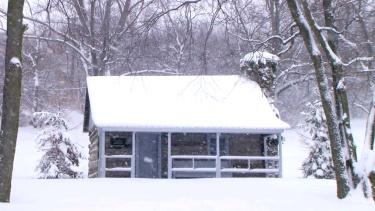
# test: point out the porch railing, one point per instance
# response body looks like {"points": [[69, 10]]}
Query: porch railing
{"points": [[127, 169], [206, 163], [196, 163]]}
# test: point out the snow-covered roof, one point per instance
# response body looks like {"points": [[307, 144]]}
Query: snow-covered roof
{"points": [[227, 104]]}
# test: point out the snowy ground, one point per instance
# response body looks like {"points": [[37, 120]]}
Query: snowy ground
{"points": [[290, 193]]}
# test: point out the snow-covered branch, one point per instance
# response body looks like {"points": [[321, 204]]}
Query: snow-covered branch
{"points": [[183, 4], [347, 42], [244, 39], [290, 83], [362, 107], [293, 66], [264, 42], [60, 41], [321, 28], [359, 59], [66, 37], [165, 71], [284, 41]]}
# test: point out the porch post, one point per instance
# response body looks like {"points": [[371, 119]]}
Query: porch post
{"points": [[102, 158], [169, 156], [132, 174], [280, 156], [218, 162]]}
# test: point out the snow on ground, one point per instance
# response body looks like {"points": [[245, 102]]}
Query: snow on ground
{"points": [[290, 193]]}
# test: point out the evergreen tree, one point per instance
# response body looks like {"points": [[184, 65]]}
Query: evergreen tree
{"points": [[319, 162], [62, 154]]}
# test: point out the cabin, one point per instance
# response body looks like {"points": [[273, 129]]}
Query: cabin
{"points": [[181, 127]]}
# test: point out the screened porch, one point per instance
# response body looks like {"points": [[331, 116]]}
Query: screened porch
{"points": [[188, 155]]}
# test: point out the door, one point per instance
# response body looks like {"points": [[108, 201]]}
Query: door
{"points": [[148, 155]]}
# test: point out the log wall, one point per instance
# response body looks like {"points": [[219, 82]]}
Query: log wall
{"points": [[93, 153]]}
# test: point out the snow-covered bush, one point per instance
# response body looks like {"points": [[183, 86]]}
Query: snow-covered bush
{"points": [[62, 154], [42, 119], [261, 68], [319, 162]]}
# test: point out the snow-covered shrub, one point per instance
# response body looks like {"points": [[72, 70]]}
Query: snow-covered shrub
{"points": [[62, 154], [319, 162], [42, 119], [261, 68]]}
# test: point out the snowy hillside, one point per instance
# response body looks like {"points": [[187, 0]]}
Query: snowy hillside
{"points": [[290, 193]]}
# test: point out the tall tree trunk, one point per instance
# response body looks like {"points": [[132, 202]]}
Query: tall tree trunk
{"points": [[340, 94], [104, 54], [11, 95], [36, 98], [274, 10], [370, 52], [342, 180], [94, 57], [368, 176]]}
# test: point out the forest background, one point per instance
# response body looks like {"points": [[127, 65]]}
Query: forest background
{"points": [[71, 39]]}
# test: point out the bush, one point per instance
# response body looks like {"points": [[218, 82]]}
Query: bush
{"points": [[62, 154]]}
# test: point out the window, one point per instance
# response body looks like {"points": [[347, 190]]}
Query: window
{"points": [[224, 145], [118, 143]]}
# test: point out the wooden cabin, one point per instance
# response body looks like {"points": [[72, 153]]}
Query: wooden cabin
{"points": [[181, 127]]}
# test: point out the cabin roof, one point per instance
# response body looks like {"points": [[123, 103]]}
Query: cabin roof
{"points": [[180, 104]]}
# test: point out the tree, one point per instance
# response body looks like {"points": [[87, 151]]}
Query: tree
{"points": [[11, 95], [62, 154], [319, 161], [106, 35], [338, 156], [347, 171]]}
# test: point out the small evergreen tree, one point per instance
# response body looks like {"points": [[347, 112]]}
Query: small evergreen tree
{"points": [[41, 119], [319, 162], [62, 154]]}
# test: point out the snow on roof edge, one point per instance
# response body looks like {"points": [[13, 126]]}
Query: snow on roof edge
{"points": [[195, 130]]}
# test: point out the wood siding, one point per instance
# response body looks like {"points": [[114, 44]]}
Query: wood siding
{"points": [[93, 154]]}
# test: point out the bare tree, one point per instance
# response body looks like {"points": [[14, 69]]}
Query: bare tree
{"points": [[104, 34]]}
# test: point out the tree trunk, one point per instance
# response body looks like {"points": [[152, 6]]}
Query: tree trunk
{"points": [[11, 95], [339, 90], [368, 176], [370, 128], [370, 52], [274, 10], [342, 180], [36, 98]]}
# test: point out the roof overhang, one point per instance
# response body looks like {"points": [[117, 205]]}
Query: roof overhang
{"points": [[193, 130]]}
